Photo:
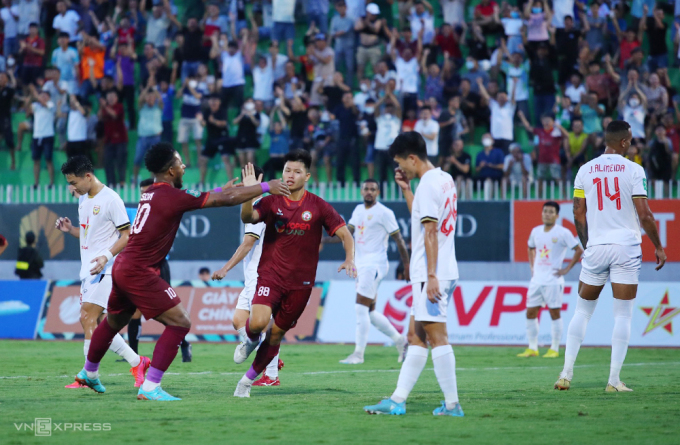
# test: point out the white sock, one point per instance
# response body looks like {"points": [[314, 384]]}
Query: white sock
{"points": [[92, 375], [272, 370], [242, 334], [383, 325], [445, 369], [575, 334], [532, 333], [623, 313], [121, 348], [413, 365], [246, 380], [363, 325], [148, 385], [86, 347], [556, 330]]}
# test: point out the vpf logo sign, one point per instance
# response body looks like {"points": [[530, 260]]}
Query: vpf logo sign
{"points": [[661, 316]]}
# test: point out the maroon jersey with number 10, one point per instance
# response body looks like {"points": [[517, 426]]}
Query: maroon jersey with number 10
{"points": [[290, 252]]}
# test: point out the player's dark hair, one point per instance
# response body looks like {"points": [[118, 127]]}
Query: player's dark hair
{"points": [[146, 182], [258, 171], [78, 166], [372, 181], [409, 143], [160, 157], [203, 270], [553, 204], [616, 131], [64, 34], [299, 155]]}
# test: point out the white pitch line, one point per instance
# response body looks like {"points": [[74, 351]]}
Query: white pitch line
{"points": [[349, 371]]}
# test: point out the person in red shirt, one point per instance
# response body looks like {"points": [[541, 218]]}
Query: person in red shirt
{"points": [[136, 276], [112, 116], [290, 256], [548, 148], [126, 32], [447, 41], [673, 133], [487, 15], [33, 49], [630, 41]]}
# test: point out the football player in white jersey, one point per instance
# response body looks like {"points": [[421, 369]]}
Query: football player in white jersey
{"points": [[547, 276], [610, 205], [103, 229], [433, 271], [249, 252], [372, 224]]}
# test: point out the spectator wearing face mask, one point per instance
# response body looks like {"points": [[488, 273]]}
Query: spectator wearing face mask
{"points": [[633, 108], [489, 162]]}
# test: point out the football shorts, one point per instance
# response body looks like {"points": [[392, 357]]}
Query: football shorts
{"points": [[621, 264], [545, 295], [369, 278], [245, 298], [423, 309], [96, 289]]}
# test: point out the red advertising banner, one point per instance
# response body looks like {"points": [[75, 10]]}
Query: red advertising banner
{"points": [[527, 215], [211, 310]]}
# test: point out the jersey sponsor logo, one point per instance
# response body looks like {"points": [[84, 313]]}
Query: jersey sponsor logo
{"points": [[370, 217], [554, 240], [194, 193], [544, 252], [306, 215], [86, 226], [291, 228], [661, 316], [95, 210]]}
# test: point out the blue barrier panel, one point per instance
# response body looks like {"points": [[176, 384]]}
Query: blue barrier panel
{"points": [[21, 303]]}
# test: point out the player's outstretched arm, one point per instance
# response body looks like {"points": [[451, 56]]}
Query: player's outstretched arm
{"points": [[580, 220], [118, 246], [348, 244], [64, 224], [403, 253], [238, 195], [648, 223], [242, 251]]}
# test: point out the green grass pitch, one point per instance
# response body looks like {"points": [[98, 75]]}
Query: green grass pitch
{"points": [[505, 399]]}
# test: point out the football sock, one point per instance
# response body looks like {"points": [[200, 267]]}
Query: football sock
{"points": [[575, 334], [272, 370], [99, 343], [253, 336], [264, 355], [134, 331], [363, 326], [121, 348], [556, 330], [413, 365], [445, 370], [153, 379], [242, 334], [532, 333], [623, 313], [383, 325], [86, 347], [166, 347]]}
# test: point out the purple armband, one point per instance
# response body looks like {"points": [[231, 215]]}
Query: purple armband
{"points": [[265, 187], [217, 190]]}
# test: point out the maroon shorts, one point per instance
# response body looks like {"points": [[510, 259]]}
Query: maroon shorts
{"points": [[287, 304], [141, 288]]}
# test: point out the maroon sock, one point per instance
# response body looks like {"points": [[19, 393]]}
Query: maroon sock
{"points": [[166, 347], [251, 335], [100, 342], [264, 356]]}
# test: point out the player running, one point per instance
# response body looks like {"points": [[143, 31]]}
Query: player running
{"points": [[136, 280], [371, 224], [610, 204], [547, 277], [434, 272], [290, 255], [250, 252], [103, 230]]}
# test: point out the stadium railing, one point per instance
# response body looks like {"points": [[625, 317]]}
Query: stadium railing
{"points": [[469, 190]]}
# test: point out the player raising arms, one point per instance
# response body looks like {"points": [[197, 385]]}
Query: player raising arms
{"points": [[103, 230], [250, 252], [434, 272], [547, 277], [371, 224], [136, 280], [610, 204], [290, 255]]}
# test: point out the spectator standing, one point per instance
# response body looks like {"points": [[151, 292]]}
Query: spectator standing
{"points": [[66, 21], [517, 75], [246, 137], [29, 12], [318, 140], [380, 79], [214, 23], [333, 93], [538, 15], [342, 33], [283, 16], [460, 163], [92, 59], [317, 13], [575, 146], [561, 10], [150, 61], [167, 91], [502, 116], [660, 156], [150, 125], [76, 132], [633, 108], [323, 58], [548, 147], [215, 121], [112, 116], [486, 15], [591, 113], [192, 93], [43, 111], [489, 162], [421, 18], [346, 115], [566, 40], [388, 125], [29, 262], [517, 167], [474, 72], [158, 22], [58, 90], [453, 11], [368, 129], [233, 78], [263, 82], [371, 30], [10, 19], [192, 52], [429, 130], [67, 60], [7, 91], [279, 137], [541, 79], [575, 90], [125, 57], [407, 77], [512, 28]]}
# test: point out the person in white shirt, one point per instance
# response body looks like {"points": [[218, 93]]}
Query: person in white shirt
{"points": [[548, 245], [433, 272], [263, 82], [610, 205], [66, 20], [502, 115], [76, 129], [43, 111], [388, 127], [250, 252], [10, 19], [372, 224], [575, 89], [517, 166], [103, 230], [233, 75], [428, 129], [408, 77]]}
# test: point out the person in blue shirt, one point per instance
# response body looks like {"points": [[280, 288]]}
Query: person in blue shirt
{"points": [[280, 143], [167, 96], [489, 162]]}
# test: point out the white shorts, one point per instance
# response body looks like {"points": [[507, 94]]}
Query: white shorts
{"points": [[369, 278], [245, 298], [619, 263], [424, 310], [188, 126], [545, 295], [96, 290]]}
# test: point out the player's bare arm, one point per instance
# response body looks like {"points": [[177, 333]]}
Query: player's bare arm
{"points": [[648, 223], [403, 253], [248, 214], [334, 239], [432, 253], [64, 224], [580, 220], [238, 195], [578, 252], [405, 185], [238, 256], [532, 258], [118, 246], [348, 243]]}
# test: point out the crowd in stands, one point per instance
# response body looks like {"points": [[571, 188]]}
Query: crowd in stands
{"points": [[533, 82]]}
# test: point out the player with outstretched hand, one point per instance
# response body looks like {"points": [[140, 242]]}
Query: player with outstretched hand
{"points": [[136, 280], [290, 255]]}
